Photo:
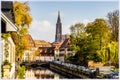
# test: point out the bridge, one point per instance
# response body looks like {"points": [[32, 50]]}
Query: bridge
{"points": [[71, 72], [35, 64], [63, 69]]}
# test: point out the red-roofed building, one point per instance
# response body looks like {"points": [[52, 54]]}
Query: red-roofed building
{"points": [[46, 53], [65, 50], [45, 50], [56, 46], [42, 43], [30, 41], [31, 48]]}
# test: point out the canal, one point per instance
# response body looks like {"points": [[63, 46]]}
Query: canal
{"points": [[42, 73]]}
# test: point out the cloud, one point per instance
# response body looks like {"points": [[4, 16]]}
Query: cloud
{"points": [[44, 23], [66, 29], [42, 30]]}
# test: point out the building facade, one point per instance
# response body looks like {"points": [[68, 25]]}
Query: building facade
{"points": [[43, 54], [65, 50], [8, 45], [46, 53]]}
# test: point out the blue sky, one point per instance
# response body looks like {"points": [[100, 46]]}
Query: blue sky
{"points": [[44, 15]]}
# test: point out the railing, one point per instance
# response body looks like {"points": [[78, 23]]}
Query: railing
{"points": [[71, 71]]}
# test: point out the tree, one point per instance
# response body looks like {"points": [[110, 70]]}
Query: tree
{"points": [[113, 51], [78, 39], [22, 14], [99, 30], [76, 32], [98, 37], [109, 53], [113, 20], [22, 21]]}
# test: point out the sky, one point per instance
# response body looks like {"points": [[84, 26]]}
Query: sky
{"points": [[45, 14]]}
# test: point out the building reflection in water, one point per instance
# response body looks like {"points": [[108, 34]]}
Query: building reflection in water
{"points": [[41, 74]]}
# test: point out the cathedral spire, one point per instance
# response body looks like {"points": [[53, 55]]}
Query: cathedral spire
{"points": [[58, 35], [58, 20]]}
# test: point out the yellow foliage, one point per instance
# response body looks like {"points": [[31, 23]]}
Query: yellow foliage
{"points": [[22, 18], [22, 15], [24, 41]]}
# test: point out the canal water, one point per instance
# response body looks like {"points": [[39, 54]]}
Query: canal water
{"points": [[42, 73]]}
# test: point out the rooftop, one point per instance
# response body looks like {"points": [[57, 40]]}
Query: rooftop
{"points": [[7, 10], [30, 41], [42, 43]]}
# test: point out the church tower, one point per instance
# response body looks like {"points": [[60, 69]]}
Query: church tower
{"points": [[58, 35]]}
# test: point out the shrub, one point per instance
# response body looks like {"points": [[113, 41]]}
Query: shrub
{"points": [[21, 72]]}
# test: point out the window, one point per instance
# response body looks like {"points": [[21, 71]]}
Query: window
{"points": [[3, 26]]}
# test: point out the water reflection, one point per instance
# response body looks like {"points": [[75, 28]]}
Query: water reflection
{"points": [[41, 73]]}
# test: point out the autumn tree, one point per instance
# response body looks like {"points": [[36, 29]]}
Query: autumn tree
{"points": [[78, 39], [113, 20], [98, 37], [76, 32], [109, 53], [22, 21], [99, 30], [22, 14], [87, 40], [97, 41]]}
